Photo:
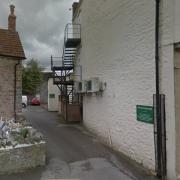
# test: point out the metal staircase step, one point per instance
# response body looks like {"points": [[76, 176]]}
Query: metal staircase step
{"points": [[71, 49], [65, 62], [66, 52], [61, 68], [66, 66], [74, 49], [69, 64], [68, 60], [67, 56], [64, 82], [72, 42]]}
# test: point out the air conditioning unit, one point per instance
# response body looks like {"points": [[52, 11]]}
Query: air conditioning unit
{"points": [[80, 86], [93, 85]]}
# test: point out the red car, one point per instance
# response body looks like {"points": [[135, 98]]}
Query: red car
{"points": [[35, 101]]}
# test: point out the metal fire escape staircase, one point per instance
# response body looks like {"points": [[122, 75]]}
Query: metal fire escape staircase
{"points": [[63, 67]]}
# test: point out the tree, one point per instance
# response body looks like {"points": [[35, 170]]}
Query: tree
{"points": [[31, 77]]}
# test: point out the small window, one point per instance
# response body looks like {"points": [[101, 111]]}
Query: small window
{"points": [[52, 96]]}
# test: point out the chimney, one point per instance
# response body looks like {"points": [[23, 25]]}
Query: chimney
{"points": [[12, 19]]}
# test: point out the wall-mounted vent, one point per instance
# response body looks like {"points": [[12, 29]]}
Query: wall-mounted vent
{"points": [[93, 85], [89, 86], [80, 86]]}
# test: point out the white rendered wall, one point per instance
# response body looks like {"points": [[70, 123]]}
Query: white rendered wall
{"points": [[167, 80], [53, 102], [176, 20], [118, 46]]}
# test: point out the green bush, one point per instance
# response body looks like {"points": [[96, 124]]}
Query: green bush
{"points": [[24, 133]]}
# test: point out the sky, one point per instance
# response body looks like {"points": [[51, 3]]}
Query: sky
{"points": [[40, 24]]}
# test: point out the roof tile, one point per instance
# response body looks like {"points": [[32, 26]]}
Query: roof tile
{"points": [[10, 44]]}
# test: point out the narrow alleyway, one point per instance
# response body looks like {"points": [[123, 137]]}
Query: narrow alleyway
{"points": [[73, 154]]}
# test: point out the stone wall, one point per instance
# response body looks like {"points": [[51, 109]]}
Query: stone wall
{"points": [[18, 159], [7, 87]]}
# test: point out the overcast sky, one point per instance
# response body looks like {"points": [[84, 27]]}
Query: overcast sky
{"points": [[40, 24]]}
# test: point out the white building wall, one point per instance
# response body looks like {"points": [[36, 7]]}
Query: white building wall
{"points": [[176, 20], [118, 46], [53, 90], [167, 32]]}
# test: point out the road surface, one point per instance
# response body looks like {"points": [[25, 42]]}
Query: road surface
{"points": [[75, 154]]}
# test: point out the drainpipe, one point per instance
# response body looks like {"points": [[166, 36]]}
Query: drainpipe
{"points": [[157, 46], [158, 113], [15, 86]]}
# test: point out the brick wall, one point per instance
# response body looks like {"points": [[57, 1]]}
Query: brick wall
{"points": [[7, 87]]}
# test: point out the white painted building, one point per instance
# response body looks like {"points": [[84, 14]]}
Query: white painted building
{"points": [[118, 46], [49, 92], [53, 96]]}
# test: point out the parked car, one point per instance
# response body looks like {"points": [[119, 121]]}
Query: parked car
{"points": [[24, 101], [35, 101]]}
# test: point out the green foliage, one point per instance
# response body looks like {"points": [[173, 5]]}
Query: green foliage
{"points": [[20, 137], [24, 133], [31, 77]]}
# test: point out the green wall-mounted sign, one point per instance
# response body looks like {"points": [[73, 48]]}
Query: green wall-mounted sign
{"points": [[52, 96], [145, 114]]}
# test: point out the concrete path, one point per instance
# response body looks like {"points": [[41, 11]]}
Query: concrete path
{"points": [[74, 154]]}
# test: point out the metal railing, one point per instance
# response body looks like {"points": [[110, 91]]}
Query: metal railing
{"points": [[72, 31], [62, 67], [56, 62]]}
